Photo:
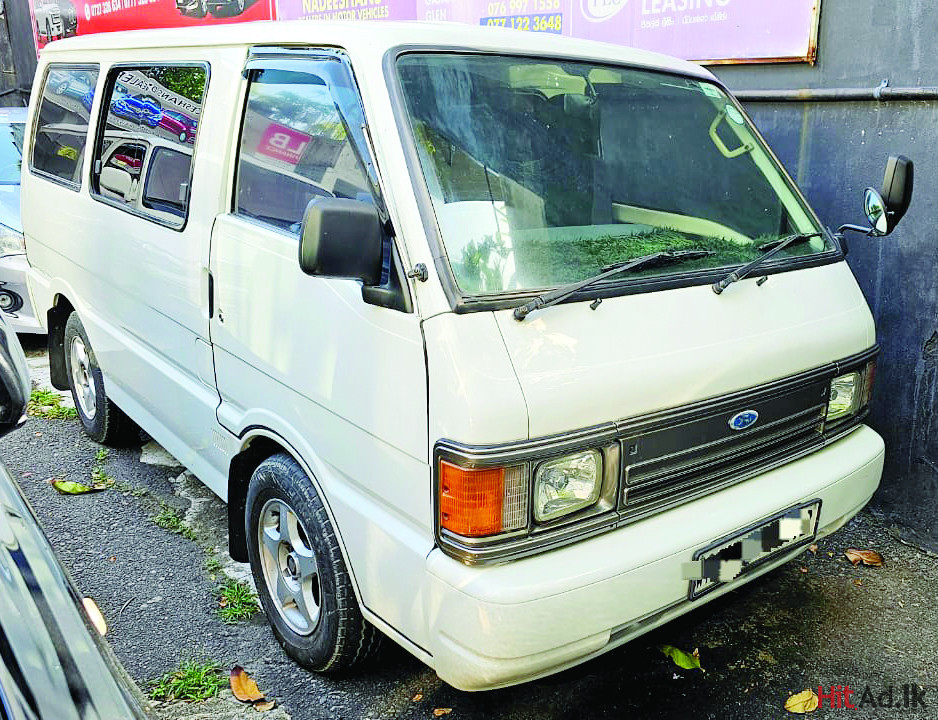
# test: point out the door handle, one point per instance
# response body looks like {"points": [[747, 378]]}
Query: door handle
{"points": [[211, 295]]}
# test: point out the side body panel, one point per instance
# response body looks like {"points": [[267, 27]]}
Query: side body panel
{"points": [[141, 288], [345, 384]]}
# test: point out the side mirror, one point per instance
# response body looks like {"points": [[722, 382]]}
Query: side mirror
{"points": [[116, 181], [897, 189], [875, 208], [341, 238], [884, 209]]}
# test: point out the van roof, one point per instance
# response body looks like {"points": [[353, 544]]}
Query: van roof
{"points": [[371, 36]]}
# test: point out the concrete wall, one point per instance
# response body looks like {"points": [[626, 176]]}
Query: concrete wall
{"points": [[835, 150]]}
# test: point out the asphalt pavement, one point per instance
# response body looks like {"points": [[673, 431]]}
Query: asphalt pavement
{"points": [[817, 621]]}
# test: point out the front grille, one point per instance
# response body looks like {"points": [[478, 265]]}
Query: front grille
{"points": [[686, 458]]}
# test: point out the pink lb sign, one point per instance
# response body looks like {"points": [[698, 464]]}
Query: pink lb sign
{"points": [[282, 143]]}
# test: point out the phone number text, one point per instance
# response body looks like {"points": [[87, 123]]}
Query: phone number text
{"points": [[552, 23]]}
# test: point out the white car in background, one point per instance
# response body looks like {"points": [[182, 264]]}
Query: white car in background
{"points": [[49, 22], [14, 298]]}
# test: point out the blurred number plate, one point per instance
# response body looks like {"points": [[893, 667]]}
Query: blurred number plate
{"points": [[727, 559]]}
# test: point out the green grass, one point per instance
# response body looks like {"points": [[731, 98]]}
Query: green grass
{"points": [[46, 403], [129, 489], [169, 519], [236, 601], [100, 477], [213, 565], [191, 682]]}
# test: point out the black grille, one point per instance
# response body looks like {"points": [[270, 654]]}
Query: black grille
{"points": [[689, 457]]}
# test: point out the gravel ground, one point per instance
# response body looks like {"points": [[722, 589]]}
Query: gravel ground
{"points": [[816, 621]]}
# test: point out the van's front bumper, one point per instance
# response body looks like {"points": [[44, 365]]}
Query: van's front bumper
{"points": [[491, 626], [13, 270]]}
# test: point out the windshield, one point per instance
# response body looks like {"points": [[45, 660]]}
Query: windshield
{"points": [[541, 173], [11, 152]]}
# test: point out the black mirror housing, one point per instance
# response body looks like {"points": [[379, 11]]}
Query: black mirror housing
{"points": [[341, 238], [897, 188]]}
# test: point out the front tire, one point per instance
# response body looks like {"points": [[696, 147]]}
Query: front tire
{"points": [[101, 419], [300, 575]]}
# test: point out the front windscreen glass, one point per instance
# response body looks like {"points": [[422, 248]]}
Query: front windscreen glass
{"points": [[11, 152], [543, 172]]}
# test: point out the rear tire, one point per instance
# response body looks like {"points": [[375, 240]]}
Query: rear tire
{"points": [[300, 575], [101, 419]]}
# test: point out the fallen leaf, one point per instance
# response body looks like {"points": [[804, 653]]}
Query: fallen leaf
{"points": [[440, 712], [803, 702], [858, 581], [417, 698], [830, 554], [804, 569], [68, 487], [265, 705], [813, 548], [243, 686], [867, 557], [113, 558], [681, 658]]}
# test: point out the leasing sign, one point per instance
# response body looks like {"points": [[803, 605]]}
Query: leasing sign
{"points": [[708, 31]]}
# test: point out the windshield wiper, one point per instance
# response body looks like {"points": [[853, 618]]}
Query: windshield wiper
{"points": [[770, 249], [560, 294]]}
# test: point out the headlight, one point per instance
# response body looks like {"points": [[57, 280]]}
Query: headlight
{"points": [[851, 392], [567, 484], [11, 242], [845, 393]]}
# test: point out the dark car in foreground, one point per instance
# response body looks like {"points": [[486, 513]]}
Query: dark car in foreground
{"points": [[54, 663]]}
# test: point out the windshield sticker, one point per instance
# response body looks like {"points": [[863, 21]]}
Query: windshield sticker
{"points": [[710, 90]]}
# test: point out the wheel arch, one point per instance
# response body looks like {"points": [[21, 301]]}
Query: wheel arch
{"points": [[258, 444]]}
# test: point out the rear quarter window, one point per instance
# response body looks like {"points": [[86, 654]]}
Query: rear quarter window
{"points": [[143, 161], [61, 133]]}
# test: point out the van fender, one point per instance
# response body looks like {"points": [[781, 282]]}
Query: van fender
{"points": [[312, 466]]}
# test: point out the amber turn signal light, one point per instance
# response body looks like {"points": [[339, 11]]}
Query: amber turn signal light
{"points": [[471, 500]]}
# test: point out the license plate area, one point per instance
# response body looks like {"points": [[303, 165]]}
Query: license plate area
{"points": [[727, 559]]}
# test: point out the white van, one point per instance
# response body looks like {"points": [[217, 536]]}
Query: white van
{"points": [[511, 347]]}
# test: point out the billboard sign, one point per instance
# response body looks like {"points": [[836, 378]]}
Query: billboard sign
{"points": [[54, 19], [346, 10], [708, 31]]}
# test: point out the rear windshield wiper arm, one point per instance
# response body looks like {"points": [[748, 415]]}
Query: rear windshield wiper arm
{"points": [[770, 249], [560, 294]]}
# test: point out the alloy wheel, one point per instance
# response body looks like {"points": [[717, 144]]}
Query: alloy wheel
{"points": [[289, 566]]}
